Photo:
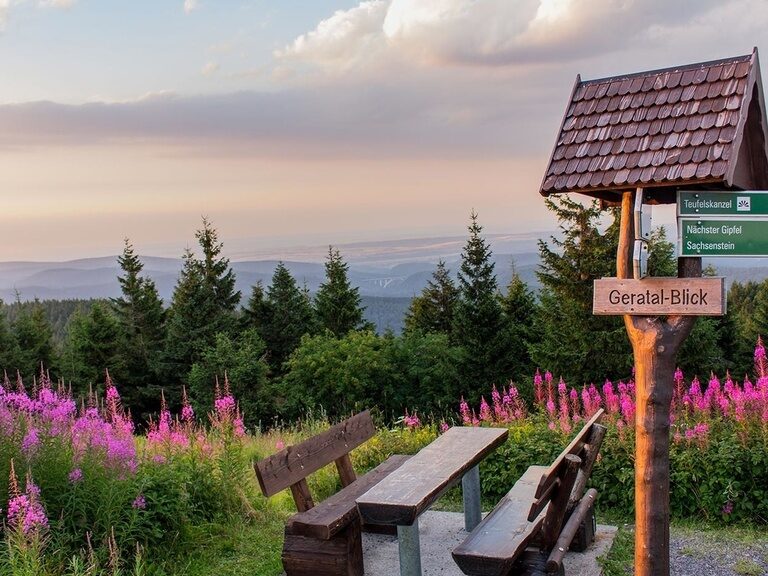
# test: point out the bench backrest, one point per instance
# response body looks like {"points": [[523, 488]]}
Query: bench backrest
{"points": [[563, 484], [291, 466]]}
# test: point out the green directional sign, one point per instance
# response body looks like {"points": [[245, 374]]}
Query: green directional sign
{"points": [[749, 203], [722, 237]]}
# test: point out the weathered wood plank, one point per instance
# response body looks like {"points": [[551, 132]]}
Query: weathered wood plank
{"points": [[342, 555], [580, 513], [293, 463], [591, 451], [302, 497], [574, 447], [403, 495], [558, 505], [331, 515], [502, 536], [346, 472], [659, 296]]}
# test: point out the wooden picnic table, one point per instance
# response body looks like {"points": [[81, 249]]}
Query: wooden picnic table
{"points": [[400, 498]]}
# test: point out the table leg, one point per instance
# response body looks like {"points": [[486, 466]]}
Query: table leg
{"points": [[470, 487], [410, 551]]}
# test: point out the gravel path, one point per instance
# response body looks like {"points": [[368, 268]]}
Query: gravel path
{"points": [[721, 553]]}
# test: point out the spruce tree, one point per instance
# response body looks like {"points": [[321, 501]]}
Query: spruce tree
{"points": [[34, 337], [256, 313], [337, 303], [93, 345], [520, 310], [290, 317], [574, 343], [478, 324], [203, 305], [141, 318], [9, 350], [433, 309]]}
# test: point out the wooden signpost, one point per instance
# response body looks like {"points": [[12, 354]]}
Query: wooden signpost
{"points": [[662, 137], [660, 296]]}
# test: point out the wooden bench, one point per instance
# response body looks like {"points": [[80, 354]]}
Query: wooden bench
{"points": [[324, 539], [532, 527]]}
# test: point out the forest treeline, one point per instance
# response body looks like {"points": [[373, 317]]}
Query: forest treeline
{"points": [[286, 351]]}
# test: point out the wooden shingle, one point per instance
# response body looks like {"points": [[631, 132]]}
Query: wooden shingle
{"points": [[699, 125]]}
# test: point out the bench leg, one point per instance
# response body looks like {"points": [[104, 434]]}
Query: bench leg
{"points": [[470, 487], [410, 550]]}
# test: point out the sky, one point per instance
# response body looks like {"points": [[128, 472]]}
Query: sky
{"points": [[304, 122]]}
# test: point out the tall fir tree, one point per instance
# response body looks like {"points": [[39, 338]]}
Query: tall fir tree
{"points": [[9, 350], [203, 305], [257, 311], [520, 310], [92, 346], [290, 316], [581, 347], [478, 323], [433, 309], [34, 337], [141, 319], [337, 303]]}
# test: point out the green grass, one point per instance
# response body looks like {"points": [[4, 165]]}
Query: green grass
{"points": [[620, 558]]}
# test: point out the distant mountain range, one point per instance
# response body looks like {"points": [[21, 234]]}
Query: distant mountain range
{"points": [[392, 270], [386, 269]]}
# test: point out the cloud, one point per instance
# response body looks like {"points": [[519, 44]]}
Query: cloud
{"points": [[483, 32], [190, 6], [58, 3], [210, 68], [7, 5]]}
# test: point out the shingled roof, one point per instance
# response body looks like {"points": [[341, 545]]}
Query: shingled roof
{"points": [[695, 126]]}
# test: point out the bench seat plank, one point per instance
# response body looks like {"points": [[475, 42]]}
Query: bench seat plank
{"points": [[331, 515], [502, 536], [403, 495]]}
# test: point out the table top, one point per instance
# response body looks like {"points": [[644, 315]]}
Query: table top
{"points": [[405, 493]]}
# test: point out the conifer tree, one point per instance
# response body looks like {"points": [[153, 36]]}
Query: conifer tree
{"points": [[433, 309], [289, 317], [478, 324], [34, 338], [337, 303], [256, 312], [93, 345], [141, 318], [203, 305], [574, 343], [9, 350], [520, 310]]}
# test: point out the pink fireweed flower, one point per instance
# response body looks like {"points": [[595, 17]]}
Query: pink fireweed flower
{"points": [[538, 388], [575, 405], [551, 407], [25, 511], [466, 418], [75, 476], [761, 366], [139, 502], [485, 411], [444, 427], [187, 413], [279, 445], [411, 421], [31, 442]]}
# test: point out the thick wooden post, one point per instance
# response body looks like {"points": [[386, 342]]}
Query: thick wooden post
{"points": [[655, 343]]}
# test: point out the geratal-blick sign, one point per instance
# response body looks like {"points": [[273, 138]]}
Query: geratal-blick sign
{"points": [[660, 296]]}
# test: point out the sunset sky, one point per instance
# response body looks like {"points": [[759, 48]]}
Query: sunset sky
{"points": [[307, 121]]}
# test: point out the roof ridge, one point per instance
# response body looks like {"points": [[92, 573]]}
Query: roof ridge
{"points": [[710, 63]]}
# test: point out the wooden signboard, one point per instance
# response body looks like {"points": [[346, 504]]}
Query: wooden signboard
{"points": [[660, 297]]}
